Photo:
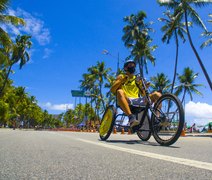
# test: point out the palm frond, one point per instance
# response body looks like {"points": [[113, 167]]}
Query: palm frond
{"points": [[5, 38], [167, 3], [196, 91], [3, 59], [190, 94], [201, 3], [206, 43], [196, 18], [181, 33], [13, 20], [4, 5]]}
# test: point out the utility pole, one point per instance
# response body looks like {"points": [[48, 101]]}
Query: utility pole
{"points": [[106, 52], [117, 65]]}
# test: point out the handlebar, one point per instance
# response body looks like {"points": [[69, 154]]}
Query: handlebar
{"points": [[145, 88]]}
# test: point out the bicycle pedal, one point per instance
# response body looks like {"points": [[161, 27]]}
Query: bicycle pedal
{"points": [[135, 128]]}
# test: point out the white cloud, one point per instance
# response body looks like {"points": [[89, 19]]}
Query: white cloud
{"points": [[47, 53], [165, 1], [199, 113], [57, 107], [34, 26]]}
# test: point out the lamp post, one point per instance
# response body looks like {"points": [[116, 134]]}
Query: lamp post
{"points": [[106, 52]]}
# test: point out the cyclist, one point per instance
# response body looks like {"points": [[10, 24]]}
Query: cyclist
{"points": [[127, 92]]}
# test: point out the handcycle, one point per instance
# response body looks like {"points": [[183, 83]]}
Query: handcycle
{"points": [[163, 119]]}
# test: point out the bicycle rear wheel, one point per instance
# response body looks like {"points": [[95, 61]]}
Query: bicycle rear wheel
{"points": [[107, 123], [168, 123], [144, 132]]}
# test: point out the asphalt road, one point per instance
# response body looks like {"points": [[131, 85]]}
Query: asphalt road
{"points": [[73, 155]]}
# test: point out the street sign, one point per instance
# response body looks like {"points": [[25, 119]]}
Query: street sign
{"points": [[77, 93]]}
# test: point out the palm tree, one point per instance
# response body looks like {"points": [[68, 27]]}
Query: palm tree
{"points": [[20, 93], [87, 83], [187, 84], [142, 51], [5, 40], [78, 114], [99, 73], [18, 54], [207, 34], [4, 112], [69, 117], [175, 29], [135, 26], [137, 39], [183, 8], [109, 94], [94, 81], [160, 83]]}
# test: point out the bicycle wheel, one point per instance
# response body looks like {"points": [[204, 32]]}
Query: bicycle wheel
{"points": [[168, 123], [107, 123], [144, 132]]}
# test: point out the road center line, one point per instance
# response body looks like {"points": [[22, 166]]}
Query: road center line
{"points": [[187, 162]]}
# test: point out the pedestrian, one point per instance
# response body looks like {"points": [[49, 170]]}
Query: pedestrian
{"points": [[209, 126]]}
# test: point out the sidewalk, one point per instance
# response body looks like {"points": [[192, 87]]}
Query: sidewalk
{"points": [[198, 134]]}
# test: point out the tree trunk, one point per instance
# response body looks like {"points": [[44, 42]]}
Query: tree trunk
{"points": [[95, 107], [102, 100], [141, 68], [183, 99], [196, 54], [176, 62]]}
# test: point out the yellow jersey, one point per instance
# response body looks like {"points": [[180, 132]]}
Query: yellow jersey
{"points": [[130, 88]]}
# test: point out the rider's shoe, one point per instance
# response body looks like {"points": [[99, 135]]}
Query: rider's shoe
{"points": [[133, 121]]}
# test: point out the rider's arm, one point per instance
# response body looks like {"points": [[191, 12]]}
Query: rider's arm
{"points": [[121, 79], [139, 83]]}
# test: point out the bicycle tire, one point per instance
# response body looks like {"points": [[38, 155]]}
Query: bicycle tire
{"points": [[167, 127], [107, 123], [145, 135]]}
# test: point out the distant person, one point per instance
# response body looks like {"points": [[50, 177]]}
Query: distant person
{"points": [[185, 126], [193, 128], [14, 124], [209, 126], [127, 92]]}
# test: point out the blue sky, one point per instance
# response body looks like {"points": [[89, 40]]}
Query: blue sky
{"points": [[69, 36]]}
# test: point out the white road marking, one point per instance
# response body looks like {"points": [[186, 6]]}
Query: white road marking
{"points": [[183, 161], [187, 162]]}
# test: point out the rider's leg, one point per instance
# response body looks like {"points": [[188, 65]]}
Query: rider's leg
{"points": [[154, 97], [123, 103]]}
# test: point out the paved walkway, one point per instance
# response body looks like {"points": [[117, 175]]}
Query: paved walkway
{"points": [[199, 134]]}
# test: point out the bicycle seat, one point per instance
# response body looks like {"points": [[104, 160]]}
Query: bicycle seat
{"points": [[136, 109]]}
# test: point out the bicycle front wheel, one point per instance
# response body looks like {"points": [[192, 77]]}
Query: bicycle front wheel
{"points": [[167, 119], [107, 123]]}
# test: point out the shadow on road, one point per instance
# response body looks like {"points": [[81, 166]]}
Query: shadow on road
{"points": [[138, 142]]}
